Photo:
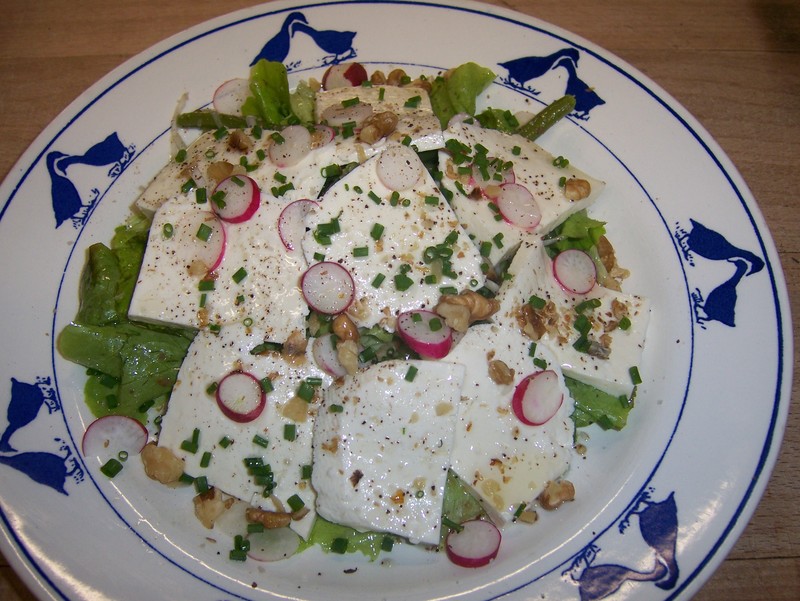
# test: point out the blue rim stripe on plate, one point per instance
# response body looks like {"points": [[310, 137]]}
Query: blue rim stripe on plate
{"points": [[767, 450]]}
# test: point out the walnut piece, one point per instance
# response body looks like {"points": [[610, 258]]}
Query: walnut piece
{"points": [[347, 351], [268, 519], [161, 464], [461, 310], [344, 328], [209, 505], [577, 189], [555, 493], [238, 140], [378, 126], [500, 373]]}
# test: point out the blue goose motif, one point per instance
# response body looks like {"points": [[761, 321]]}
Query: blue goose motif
{"points": [[338, 44], [277, 48], [67, 201], [720, 303], [47, 468]]}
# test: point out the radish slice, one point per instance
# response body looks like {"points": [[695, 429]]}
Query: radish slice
{"points": [[324, 351], [292, 222], [518, 206], [399, 168], [490, 179], [425, 333], [322, 136], [337, 115], [230, 96], [198, 238], [475, 545], [273, 544], [575, 271], [291, 146], [240, 396], [108, 436], [344, 75], [240, 200], [537, 398], [328, 287]]}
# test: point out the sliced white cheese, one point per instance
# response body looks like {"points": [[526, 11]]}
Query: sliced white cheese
{"points": [[533, 168], [506, 462], [412, 106], [303, 180], [192, 406], [616, 350], [382, 443], [257, 279], [411, 223]]}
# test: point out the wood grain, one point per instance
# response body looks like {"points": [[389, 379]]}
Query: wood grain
{"points": [[734, 64]]}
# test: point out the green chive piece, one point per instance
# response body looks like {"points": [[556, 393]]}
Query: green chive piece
{"points": [[378, 280], [289, 432], [111, 468], [377, 231], [240, 274], [537, 302], [225, 442], [387, 543], [205, 460], [361, 251], [180, 156], [411, 373], [295, 502], [204, 232], [625, 323], [260, 441], [305, 471], [635, 377], [339, 545], [167, 231], [201, 196]]}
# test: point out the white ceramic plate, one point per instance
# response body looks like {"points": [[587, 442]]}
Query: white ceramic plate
{"points": [[658, 504]]}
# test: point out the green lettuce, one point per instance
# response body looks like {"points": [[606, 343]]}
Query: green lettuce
{"points": [[458, 92], [270, 101], [593, 406]]}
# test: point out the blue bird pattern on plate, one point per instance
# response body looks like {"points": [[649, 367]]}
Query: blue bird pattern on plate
{"points": [[49, 468], [718, 304], [658, 528]]}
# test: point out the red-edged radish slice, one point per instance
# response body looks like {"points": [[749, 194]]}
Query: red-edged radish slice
{"points": [[491, 177], [291, 146], [328, 287], [475, 545], [537, 398], [240, 198], [230, 96], [326, 356], [425, 333], [322, 135], [273, 544], [198, 239], [337, 115], [292, 222], [575, 271], [344, 75], [399, 167], [108, 436], [241, 397], [518, 206]]}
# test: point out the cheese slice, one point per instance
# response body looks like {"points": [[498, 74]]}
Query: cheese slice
{"points": [[412, 224], [382, 442], [533, 168], [506, 462], [615, 350], [192, 406]]}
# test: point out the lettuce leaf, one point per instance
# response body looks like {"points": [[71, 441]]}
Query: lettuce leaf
{"points": [[593, 406], [458, 92], [270, 100]]}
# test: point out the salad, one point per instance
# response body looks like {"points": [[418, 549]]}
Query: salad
{"points": [[356, 313]]}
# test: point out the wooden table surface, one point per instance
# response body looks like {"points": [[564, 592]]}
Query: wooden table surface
{"points": [[734, 64]]}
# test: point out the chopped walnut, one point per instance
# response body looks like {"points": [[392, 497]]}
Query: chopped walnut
{"points": [[344, 328], [461, 310], [295, 346], [209, 505], [500, 373], [296, 409], [577, 189], [528, 516], [378, 78], [535, 323], [347, 352], [161, 464], [378, 126], [268, 519], [609, 260], [238, 140], [219, 170], [395, 77], [556, 493]]}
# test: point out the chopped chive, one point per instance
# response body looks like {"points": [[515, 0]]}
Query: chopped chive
{"points": [[220, 133], [200, 196], [532, 349], [331, 171], [111, 468], [540, 363], [334, 408], [624, 323], [167, 231], [451, 524], [237, 555], [374, 197], [305, 391], [218, 198], [277, 137], [402, 282], [485, 249], [225, 442], [188, 186], [435, 324], [350, 101], [205, 460], [295, 503], [180, 156], [381, 93], [289, 432], [413, 102], [448, 290], [519, 510], [255, 528], [240, 274], [361, 251], [387, 543], [204, 232], [516, 151], [260, 441], [431, 200], [305, 471], [431, 278], [411, 373], [537, 302], [186, 479], [591, 303], [319, 257], [378, 280], [377, 231], [635, 377], [205, 285], [212, 388], [201, 484], [339, 545]]}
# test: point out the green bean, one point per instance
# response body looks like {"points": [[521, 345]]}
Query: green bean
{"points": [[208, 120], [547, 117]]}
